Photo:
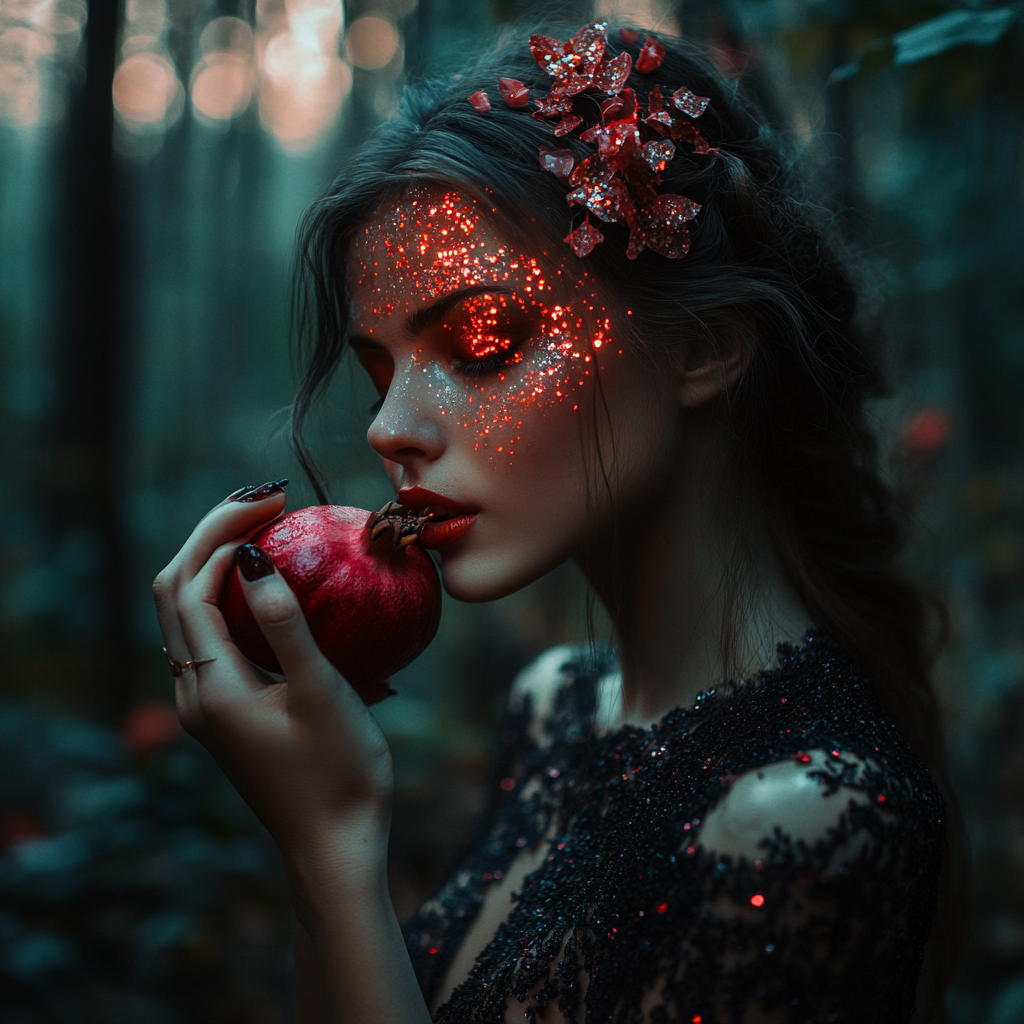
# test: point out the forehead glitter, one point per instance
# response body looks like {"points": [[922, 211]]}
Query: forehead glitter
{"points": [[525, 339]]}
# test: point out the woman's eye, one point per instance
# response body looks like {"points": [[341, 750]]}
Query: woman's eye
{"points": [[485, 342]]}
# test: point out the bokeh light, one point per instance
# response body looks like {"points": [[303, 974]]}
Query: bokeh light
{"points": [[222, 80], [39, 43], [301, 79], [372, 42], [642, 14], [145, 87], [148, 95], [222, 86]]}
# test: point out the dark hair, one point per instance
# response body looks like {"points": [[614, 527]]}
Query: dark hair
{"points": [[761, 264]]}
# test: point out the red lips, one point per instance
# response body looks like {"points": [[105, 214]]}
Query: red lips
{"points": [[452, 522]]}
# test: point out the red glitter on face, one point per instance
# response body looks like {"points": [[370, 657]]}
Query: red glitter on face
{"points": [[504, 332]]}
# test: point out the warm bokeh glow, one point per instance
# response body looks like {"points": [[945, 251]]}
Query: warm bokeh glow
{"points": [[656, 15], [226, 35], [222, 80], [372, 42], [301, 80], [36, 38], [145, 89], [222, 86], [148, 95]]}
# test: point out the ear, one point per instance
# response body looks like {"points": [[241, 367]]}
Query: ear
{"points": [[709, 365]]}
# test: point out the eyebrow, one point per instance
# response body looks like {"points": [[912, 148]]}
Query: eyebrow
{"points": [[425, 318], [430, 315]]}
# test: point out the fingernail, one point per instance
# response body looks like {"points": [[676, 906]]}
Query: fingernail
{"points": [[263, 491], [235, 495], [253, 562]]}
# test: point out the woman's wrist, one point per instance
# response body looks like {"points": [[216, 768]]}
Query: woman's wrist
{"points": [[342, 861]]}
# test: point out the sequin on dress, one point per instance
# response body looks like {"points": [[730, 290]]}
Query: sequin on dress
{"points": [[629, 919]]}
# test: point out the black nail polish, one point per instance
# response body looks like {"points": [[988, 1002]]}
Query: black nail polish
{"points": [[263, 491], [235, 495], [253, 562]]}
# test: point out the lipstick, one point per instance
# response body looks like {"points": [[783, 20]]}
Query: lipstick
{"points": [[450, 520]]}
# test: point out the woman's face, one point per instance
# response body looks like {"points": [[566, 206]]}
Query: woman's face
{"points": [[487, 358]]}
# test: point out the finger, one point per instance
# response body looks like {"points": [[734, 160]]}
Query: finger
{"points": [[229, 520], [231, 675], [186, 701], [310, 676]]}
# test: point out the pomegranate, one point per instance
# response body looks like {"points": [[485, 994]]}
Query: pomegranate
{"points": [[371, 596]]}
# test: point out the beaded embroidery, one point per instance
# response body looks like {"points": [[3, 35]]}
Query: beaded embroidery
{"points": [[833, 930]]}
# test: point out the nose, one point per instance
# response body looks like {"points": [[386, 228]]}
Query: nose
{"points": [[407, 428]]}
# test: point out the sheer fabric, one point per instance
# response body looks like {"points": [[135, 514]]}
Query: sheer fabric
{"points": [[630, 918]]}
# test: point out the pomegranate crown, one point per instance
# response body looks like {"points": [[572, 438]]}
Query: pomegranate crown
{"points": [[634, 139], [396, 521]]}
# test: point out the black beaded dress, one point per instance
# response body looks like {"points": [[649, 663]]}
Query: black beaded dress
{"points": [[630, 919]]}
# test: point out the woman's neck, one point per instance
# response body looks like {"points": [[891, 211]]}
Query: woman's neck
{"points": [[695, 591]]}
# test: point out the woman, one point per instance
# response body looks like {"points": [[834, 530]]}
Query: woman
{"points": [[687, 423]]}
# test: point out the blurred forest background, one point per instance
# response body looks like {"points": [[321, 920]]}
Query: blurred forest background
{"points": [[154, 159]]}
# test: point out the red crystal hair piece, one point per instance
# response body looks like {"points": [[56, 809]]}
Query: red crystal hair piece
{"points": [[635, 140]]}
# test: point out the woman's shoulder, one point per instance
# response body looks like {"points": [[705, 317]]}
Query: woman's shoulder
{"points": [[561, 689], [803, 748]]}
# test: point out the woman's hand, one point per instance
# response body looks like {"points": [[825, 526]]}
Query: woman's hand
{"points": [[305, 753]]}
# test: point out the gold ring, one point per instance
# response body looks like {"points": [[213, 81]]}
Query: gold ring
{"points": [[179, 668]]}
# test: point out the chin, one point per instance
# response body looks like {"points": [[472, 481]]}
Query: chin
{"points": [[477, 576]]}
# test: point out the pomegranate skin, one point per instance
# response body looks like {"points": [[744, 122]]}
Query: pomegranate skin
{"points": [[371, 608]]}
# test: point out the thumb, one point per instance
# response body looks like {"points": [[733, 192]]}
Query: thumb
{"points": [[278, 614]]}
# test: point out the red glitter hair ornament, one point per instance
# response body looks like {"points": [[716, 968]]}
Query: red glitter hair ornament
{"points": [[635, 140]]}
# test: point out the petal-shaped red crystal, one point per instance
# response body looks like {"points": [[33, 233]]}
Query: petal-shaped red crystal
{"points": [[591, 169], [690, 103], [660, 122], [513, 92], [547, 51], [609, 200], [558, 161], [657, 154], [664, 224], [629, 36], [655, 101], [584, 238], [688, 133], [611, 109], [568, 123], [480, 101], [590, 42], [588, 45], [624, 111], [614, 73], [650, 57], [618, 142]]}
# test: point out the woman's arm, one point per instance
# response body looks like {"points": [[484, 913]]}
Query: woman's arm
{"points": [[307, 756], [352, 963]]}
